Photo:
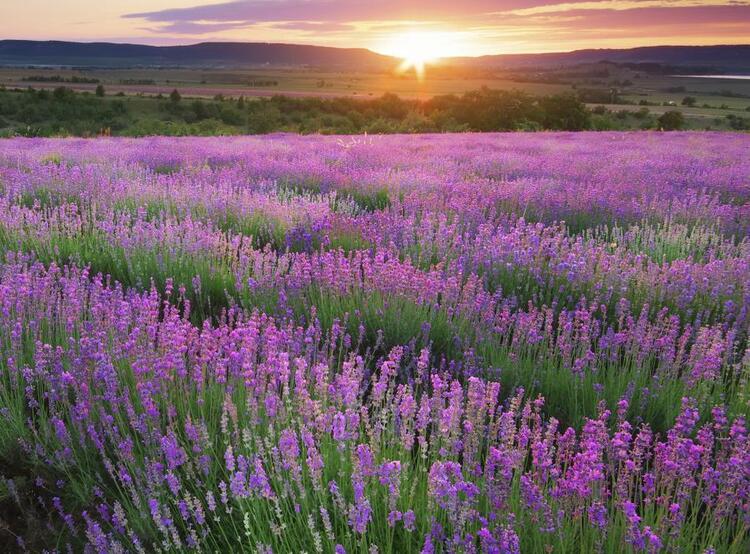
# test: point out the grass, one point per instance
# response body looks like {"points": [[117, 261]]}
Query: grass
{"points": [[388, 322], [255, 521], [668, 241], [376, 323]]}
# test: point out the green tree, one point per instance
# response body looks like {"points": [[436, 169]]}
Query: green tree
{"points": [[564, 112], [62, 93], [485, 109], [200, 110], [689, 101], [100, 90], [175, 96], [672, 120], [738, 123]]}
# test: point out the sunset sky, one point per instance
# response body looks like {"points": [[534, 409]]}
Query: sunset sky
{"points": [[463, 27]]}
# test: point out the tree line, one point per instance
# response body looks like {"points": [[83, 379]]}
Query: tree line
{"points": [[65, 112]]}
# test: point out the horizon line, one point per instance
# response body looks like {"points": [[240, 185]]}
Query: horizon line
{"points": [[362, 48]]}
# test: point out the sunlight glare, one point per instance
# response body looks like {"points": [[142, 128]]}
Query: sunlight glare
{"points": [[418, 49]]}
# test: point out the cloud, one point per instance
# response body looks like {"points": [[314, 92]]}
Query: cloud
{"points": [[330, 10], [197, 28], [505, 25], [335, 15], [317, 26], [620, 5]]}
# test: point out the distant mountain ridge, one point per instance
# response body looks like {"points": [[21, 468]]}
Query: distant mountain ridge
{"points": [[205, 54], [723, 58]]}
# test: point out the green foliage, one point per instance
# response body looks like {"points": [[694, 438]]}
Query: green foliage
{"points": [[61, 112], [480, 110], [672, 120], [689, 101], [59, 79], [564, 112], [488, 110], [599, 96], [738, 123]]}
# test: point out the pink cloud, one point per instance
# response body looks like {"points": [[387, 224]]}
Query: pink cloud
{"points": [[542, 22]]}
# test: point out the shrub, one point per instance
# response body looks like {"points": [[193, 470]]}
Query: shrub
{"points": [[689, 101], [672, 120]]}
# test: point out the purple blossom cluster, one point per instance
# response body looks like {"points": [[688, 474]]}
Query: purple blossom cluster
{"points": [[192, 427], [556, 176], [493, 343]]}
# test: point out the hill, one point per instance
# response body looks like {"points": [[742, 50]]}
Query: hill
{"points": [[206, 54], [720, 58]]}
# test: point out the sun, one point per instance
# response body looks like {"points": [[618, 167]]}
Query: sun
{"points": [[418, 49]]}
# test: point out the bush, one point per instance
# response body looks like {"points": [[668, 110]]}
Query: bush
{"points": [[672, 120], [63, 110], [738, 123], [200, 110], [689, 101], [565, 112], [63, 94], [231, 116]]}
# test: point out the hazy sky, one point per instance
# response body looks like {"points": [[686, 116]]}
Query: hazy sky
{"points": [[460, 26]]}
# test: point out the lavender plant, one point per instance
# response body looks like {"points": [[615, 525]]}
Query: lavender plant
{"points": [[424, 344]]}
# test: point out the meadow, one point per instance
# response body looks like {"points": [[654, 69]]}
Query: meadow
{"points": [[491, 343], [39, 102]]}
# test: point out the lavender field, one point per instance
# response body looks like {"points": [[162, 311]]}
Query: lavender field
{"points": [[431, 343]]}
